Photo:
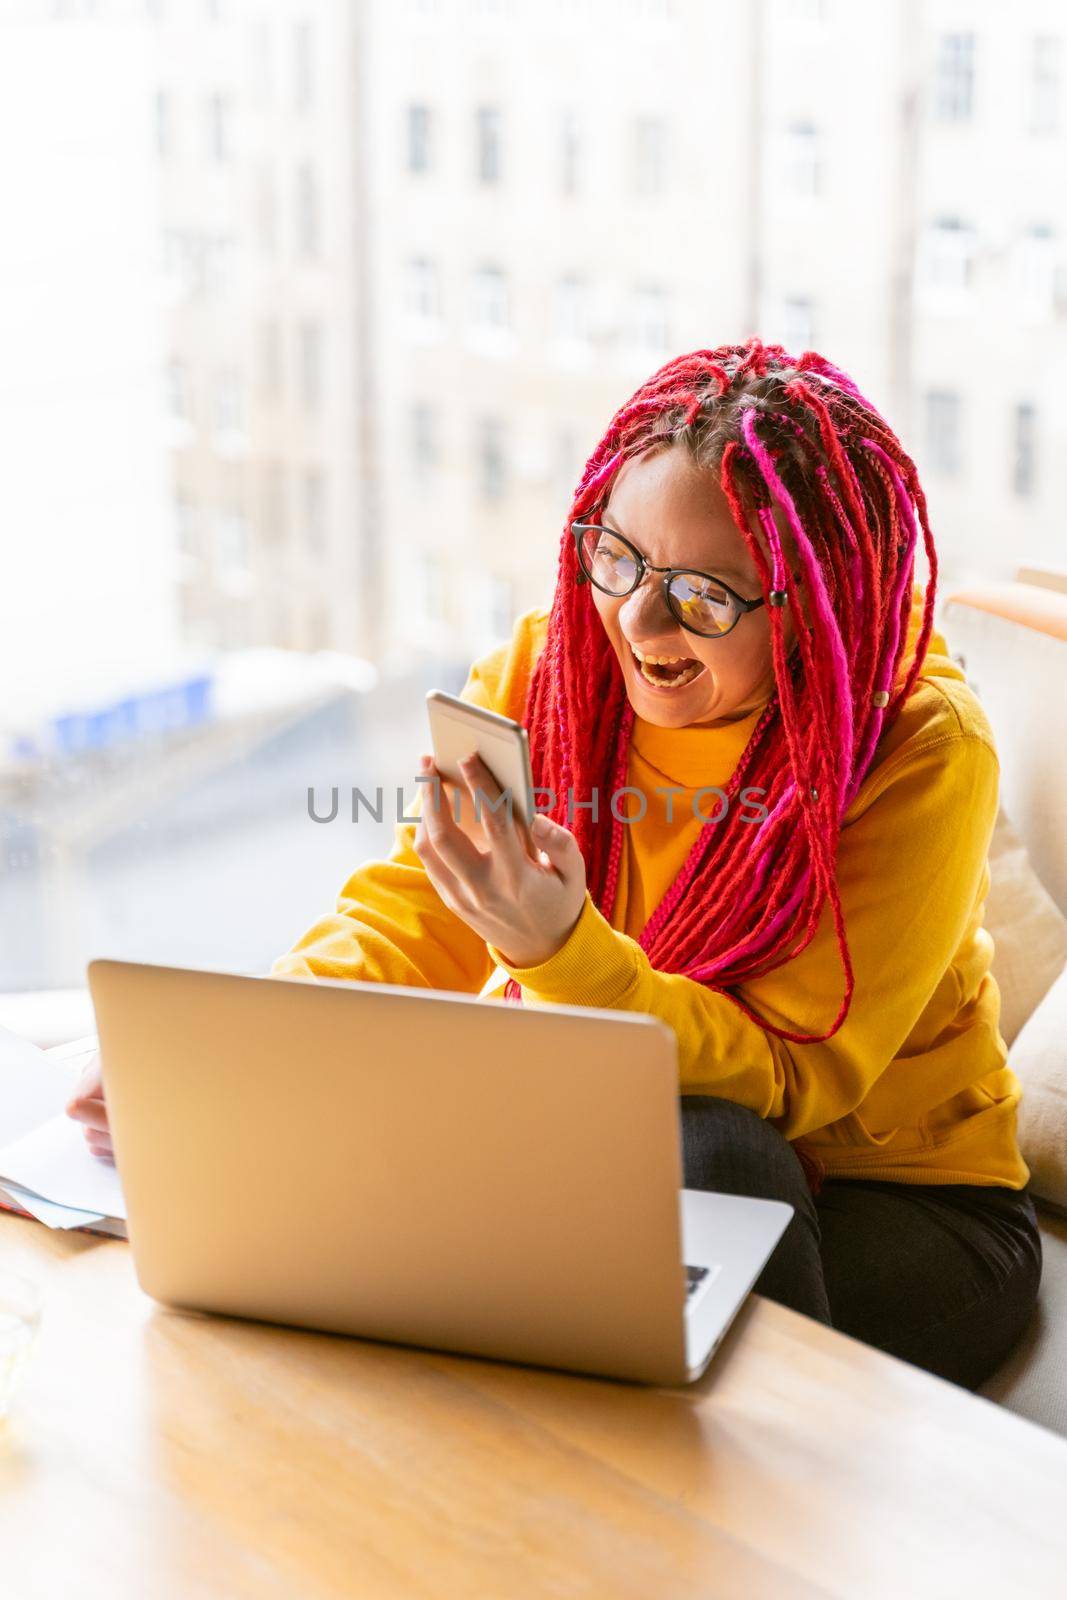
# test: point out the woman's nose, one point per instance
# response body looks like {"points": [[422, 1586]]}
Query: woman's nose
{"points": [[645, 612]]}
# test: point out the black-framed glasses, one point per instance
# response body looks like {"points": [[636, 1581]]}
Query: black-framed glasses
{"points": [[700, 602]]}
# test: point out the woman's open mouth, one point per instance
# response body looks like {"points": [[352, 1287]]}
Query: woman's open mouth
{"points": [[666, 672]]}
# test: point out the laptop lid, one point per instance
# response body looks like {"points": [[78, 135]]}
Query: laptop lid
{"points": [[401, 1164]]}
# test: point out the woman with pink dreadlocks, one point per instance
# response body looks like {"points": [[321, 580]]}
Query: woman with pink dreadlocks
{"points": [[766, 798]]}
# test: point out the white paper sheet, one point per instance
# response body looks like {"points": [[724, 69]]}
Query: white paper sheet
{"points": [[55, 1162], [52, 1216], [34, 1085], [78, 1050]]}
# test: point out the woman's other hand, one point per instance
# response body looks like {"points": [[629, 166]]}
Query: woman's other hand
{"points": [[87, 1105], [523, 893]]}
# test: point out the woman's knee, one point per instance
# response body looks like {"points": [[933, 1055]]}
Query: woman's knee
{"points": [[731, 1150], [728, 1148]]}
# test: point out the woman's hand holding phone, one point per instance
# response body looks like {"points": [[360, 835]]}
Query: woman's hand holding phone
{"points": [[522, 897]]}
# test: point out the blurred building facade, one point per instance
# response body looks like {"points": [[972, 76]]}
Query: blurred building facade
{"points": [[565, 194], [256, 118], [314, 310], [414, 254], [84, 526]]}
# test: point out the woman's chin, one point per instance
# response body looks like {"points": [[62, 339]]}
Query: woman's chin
{"points": [[670, 707]]}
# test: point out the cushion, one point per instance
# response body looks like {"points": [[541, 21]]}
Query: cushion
{"points": [[1039, 1059], [1029, 931]]}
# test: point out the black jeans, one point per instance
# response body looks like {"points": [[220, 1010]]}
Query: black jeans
{"points": [[943, 1276]]}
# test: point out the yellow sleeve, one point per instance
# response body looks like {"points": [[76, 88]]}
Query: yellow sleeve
{"points": [[911, 859], [390, 924]]}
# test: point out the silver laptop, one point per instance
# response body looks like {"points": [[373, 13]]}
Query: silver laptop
{"points": [[425, 1168]]}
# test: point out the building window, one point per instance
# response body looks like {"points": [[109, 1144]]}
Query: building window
{"points": [[179, 395], [272, 510], [501, 605], [433, 572], [313, 496], [492, 459], [571, 311], [1037, 268], [648, 320], [269, 364], [1024, 453], [798, 324], [948, 255], [266, 211], [231, 541], [319, 631], [1043, 89], [418, 138], [219, 115], [567, 462], [307, 212], [803, 159], [164, 132], [489, 299], [229, 408], [649, 155], [425, 442], [954, 78], [261, 52], [311, 366], [303, 66], [422, 290], [570, 154], [489, 161], [943, 431], [186, 528]]}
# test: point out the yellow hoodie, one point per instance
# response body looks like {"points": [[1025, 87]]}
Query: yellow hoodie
{"points": [[913, 1086]]}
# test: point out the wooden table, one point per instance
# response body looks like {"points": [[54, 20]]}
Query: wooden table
{"points": [[155, 1454]]}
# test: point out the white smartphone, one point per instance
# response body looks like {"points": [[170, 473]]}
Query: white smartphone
{"points": [[459, 729]]}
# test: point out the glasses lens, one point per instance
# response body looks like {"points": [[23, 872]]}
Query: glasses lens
{"points": [[702, 604], [608, 561]]}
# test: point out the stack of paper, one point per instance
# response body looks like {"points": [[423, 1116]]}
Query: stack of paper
{"points": [[46, 1167]]}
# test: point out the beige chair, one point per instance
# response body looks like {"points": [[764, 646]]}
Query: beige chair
{"points": [[1011, 640]]}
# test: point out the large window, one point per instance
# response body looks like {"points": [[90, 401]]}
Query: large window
{"points": [[303, 292]]}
